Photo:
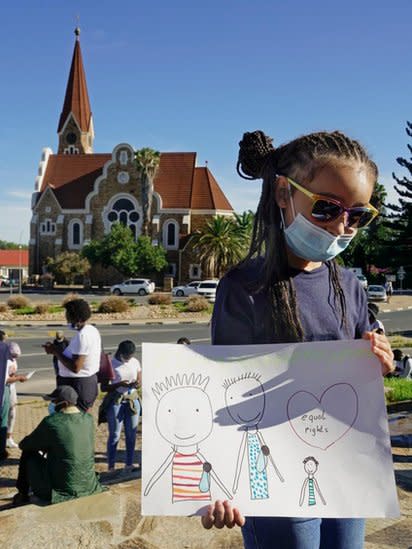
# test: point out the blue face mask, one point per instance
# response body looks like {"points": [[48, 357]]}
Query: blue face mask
{"points": [[51, 408], [313, 243]]}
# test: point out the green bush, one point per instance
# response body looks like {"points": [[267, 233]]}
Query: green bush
{"points": [[160, 299], [113, 304], [18, 302], [41, 308], [400, 389], [196, 304]]}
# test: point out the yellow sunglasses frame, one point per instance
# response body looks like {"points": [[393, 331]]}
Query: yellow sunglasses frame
{"points": [[314, 197]]}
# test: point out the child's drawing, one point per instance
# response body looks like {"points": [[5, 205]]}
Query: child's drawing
{"points": [[184, 418], [310, 483], [245, 403], [321, 422]]}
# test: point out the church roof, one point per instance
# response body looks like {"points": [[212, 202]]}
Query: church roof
{"points": [[178, 181], [76, 100]]}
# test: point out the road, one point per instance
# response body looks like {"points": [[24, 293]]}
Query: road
{"points": [[33, 356]]}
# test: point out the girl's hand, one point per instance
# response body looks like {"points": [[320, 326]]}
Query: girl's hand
{"points": [[221, 514], [381, 348]]}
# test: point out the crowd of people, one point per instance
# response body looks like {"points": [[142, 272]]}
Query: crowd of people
{"points": [[57, 459]]}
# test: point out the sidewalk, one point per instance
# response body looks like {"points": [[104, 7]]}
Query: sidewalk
{"points": [[113, 520]]}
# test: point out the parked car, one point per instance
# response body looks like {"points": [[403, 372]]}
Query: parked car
{"points": [[189, 289], [377, 293], [4, 281], [363, 281], [139, 286], [207, 289]]}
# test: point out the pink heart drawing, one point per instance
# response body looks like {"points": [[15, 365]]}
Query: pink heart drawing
{"points": [[321, 422]]}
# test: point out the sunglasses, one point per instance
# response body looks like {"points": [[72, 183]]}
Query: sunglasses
{"points": [[326, 210]]}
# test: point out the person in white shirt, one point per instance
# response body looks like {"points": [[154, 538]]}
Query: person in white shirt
{"points": [[403, 365], [79, 363], [122, 404], [12, 378]]}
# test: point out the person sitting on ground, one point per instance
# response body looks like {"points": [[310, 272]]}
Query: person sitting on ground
{"points": [[60, 343], [12, 378], [375, 324], [403, 364], [121, 406], [79, 363], [57, 460]]}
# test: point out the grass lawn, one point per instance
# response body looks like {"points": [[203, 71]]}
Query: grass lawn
{"points": [[400, 389]]}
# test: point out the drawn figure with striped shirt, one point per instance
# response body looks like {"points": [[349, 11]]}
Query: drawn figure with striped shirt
{"points": [[184, 418], [310, 483], [245, 403]]}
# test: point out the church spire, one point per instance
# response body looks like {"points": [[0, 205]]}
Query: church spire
{"points": [[75, 127]]}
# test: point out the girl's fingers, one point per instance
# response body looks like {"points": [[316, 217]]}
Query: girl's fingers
{"points": [[381, 348], [208, 520], [238, 517], [229, 517], [219, 514]]}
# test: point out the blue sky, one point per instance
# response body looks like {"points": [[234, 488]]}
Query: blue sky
{"points": [[191, 76]]}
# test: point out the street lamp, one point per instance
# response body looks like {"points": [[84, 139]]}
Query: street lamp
{"points": [[19, 268]]}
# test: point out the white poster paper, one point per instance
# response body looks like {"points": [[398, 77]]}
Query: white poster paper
{"points": [[279, 430]]}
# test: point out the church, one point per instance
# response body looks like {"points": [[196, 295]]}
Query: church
{"points": [[79, 194]]}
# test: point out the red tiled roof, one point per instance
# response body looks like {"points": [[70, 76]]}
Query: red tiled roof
{"points": [[179, 183], [76, 99], [72, 176], [206, 193], [14, 258]]}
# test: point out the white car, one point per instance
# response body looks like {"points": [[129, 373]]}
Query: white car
{"points": [[139, 286], [207, 289], [189, 289], [363, 281], [377, 293]]}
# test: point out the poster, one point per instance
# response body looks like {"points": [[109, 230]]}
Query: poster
{"points": [[279, 430]]}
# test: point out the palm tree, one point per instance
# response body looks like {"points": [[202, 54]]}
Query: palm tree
{"points": [[244, 226], [147, 161], [219, 245]]}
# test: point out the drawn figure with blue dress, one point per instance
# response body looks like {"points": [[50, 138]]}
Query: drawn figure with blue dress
{"points": [[245, 403], [311, 466]]}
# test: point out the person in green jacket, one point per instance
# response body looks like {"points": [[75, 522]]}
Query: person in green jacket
{"points": [[57, 461]]}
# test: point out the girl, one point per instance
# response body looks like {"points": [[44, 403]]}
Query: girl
{"points": [[122, 403], [315, 198]]}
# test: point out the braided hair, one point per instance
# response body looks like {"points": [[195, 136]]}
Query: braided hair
{"points": [[299, 159]]}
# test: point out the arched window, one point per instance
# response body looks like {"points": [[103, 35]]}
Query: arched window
{"points": [[124, 211], [171, 234], [75, 234]]}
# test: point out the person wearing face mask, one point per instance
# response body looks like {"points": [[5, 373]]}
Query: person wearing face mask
{"points": [[79, 362], [121, 406], [315, 198], [57, 460]]}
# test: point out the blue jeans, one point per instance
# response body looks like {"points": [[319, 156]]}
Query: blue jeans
{"points": [[117, 415], [303, 533]]}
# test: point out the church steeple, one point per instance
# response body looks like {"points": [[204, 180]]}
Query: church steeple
{"points": [[75, 127]]}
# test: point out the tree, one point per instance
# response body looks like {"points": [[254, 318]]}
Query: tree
{"points": [[219, 244], [244, 228], [5, 245], [67, 266], [119, 249], [147, 161], [399, 217]]}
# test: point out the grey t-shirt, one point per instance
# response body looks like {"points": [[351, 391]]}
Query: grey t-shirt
{"points": [[243, 317]]}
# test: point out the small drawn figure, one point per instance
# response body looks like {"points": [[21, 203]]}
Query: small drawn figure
{"points": [[184, 418], [311, 466], [252, 408]]}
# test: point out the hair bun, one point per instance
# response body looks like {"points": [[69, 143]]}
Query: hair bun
{"points": [[254, 150]]}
